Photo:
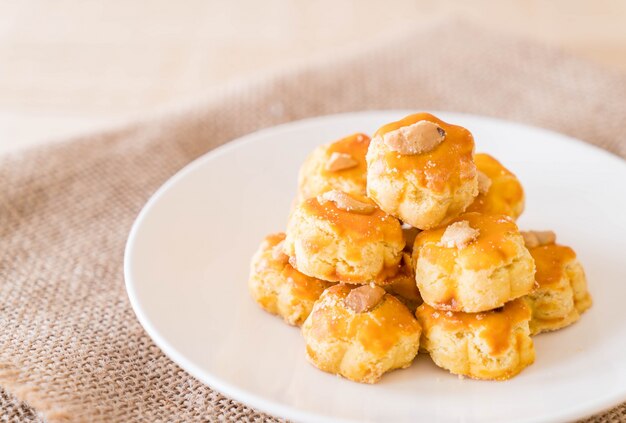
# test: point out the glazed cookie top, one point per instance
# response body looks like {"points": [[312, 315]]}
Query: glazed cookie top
{"points": [[356, 218], [377, 328], [442, 165], [494, 326], [346, 157], [551, 261], [500, 192], [474, 241], [340, 165]]}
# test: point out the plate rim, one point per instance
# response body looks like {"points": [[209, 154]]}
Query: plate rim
{"points": [[258, 402]]}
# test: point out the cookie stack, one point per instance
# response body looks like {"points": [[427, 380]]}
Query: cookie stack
{"points": [[408, 241], [471, 275]]}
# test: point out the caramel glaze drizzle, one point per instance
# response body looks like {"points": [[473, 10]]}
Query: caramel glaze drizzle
{"points": [[505, 195], [355, 145], [493, 247], [551, 261]]}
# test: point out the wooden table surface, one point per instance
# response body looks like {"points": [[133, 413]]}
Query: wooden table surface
{"points": [[71, 66]]}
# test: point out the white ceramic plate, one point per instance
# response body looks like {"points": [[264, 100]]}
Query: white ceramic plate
{"points": [[186, 269]]}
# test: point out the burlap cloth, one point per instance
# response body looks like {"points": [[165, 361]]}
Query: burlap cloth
{"points": [[71, 348]]}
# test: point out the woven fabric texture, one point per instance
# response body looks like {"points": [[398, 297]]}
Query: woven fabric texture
{"points": [[71, 348]]}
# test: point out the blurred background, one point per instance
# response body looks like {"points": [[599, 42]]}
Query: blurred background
{"points": [[70, 66]]}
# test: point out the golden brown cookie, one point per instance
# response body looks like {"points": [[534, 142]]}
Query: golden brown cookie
{"points": [[339, 165], [420, 169], [279, 288], [500, 192], [562, 295], [338, 237], [493, 345], [476, 263], [360, 333]]}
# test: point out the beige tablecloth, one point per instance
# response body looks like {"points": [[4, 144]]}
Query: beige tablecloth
{"points": [[71, 347]]}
